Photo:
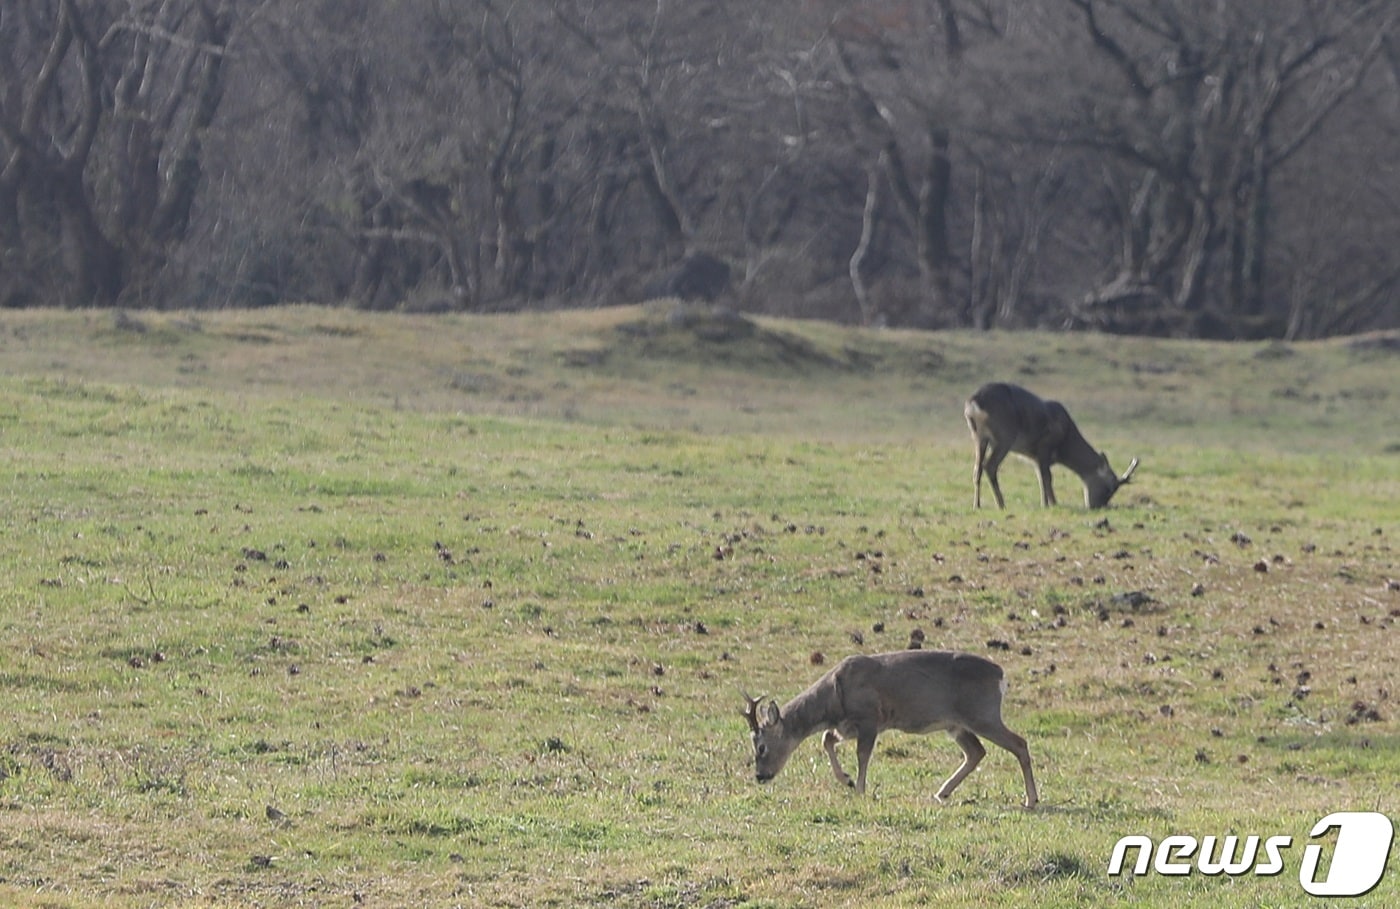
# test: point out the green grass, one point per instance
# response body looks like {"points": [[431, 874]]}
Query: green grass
{"points": [[469, 602]]}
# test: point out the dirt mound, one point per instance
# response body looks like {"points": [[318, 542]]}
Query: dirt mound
{"points": [[719, 335]]}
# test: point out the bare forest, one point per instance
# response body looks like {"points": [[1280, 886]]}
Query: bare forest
{"points": [[1195, 168]]}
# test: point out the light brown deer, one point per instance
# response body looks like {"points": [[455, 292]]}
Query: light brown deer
{"points": [[916, 691], [1008, 418]]}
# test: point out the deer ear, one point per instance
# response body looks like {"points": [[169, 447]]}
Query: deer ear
{"points": [[771, 716]]}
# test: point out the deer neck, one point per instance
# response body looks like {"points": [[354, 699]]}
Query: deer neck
{"points": [[1077, 454], [815, 710]]}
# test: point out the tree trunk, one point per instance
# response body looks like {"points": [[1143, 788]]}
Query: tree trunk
{"points": [[934, 256], [867, 232], [97, 263]]}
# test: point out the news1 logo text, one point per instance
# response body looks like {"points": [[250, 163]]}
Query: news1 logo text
{"points": [[1358, 856]]}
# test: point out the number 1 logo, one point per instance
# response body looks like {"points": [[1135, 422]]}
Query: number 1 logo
{"points": [[1359, 858]]}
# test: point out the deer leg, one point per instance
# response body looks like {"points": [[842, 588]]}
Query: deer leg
{"points": [[1047, 489], [829, 743], [1017, 746], [973, 752], [979, 456], [992, 463], [865, 746]]}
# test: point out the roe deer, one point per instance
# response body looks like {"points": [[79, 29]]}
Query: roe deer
{"points": [[915, 691], [1006, 418]]}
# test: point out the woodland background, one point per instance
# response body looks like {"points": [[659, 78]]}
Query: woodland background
{"points": [[1214, 168]]}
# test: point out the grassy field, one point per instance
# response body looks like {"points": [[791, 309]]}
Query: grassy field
{"points": [[309, 607]]}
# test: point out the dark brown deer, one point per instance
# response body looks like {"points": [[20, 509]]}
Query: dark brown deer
{"points": [[1008, 418], [916, 691]]}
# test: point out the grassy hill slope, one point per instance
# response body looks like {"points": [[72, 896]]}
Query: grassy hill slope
{"points": [[667, 367]]}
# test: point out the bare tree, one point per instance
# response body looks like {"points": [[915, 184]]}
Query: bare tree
{"points": [[101, 133], [1198, 107], [898, 62], [676, 84]]}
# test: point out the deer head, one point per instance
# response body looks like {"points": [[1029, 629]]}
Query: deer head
{"points": [[771, 748], [1101, 486]]}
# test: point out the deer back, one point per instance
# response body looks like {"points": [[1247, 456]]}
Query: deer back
{"points": [[918, 690], [1015, 419]]}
